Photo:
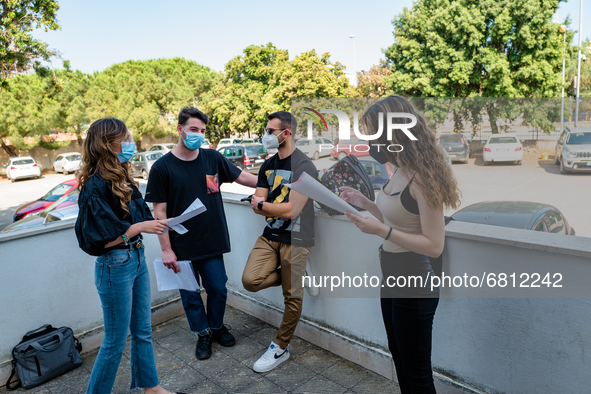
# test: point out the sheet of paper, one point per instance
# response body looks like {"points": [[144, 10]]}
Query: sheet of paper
{"points": [[315, 190], [194, 209], [179, 228], [168, 280]]}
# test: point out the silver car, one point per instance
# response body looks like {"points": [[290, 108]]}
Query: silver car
{"points": [[67, 162], [573, 151], [162, 148], [141, 163], [315, 148]]}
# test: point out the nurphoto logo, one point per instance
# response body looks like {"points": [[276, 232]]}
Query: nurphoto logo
{"points": [[344, 130]]}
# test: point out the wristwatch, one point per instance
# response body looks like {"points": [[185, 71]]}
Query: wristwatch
{"points": [[260, 205]]}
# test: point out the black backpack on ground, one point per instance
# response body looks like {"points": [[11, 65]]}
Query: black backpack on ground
{"points": [[347, 172]]}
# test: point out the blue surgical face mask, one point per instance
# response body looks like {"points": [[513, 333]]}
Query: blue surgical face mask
{"points": [[193, 141], [127, 150]]}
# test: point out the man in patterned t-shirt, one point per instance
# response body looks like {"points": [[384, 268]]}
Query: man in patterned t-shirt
{"points": [[279, 256]]}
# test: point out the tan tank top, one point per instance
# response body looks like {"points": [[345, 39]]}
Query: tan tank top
{"points": [[398, 215]]}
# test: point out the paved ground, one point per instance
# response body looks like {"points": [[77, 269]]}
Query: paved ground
{"points": [[309, 370], [535, 180]]}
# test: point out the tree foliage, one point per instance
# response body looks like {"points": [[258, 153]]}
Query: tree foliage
{"points": [[19, 51]]}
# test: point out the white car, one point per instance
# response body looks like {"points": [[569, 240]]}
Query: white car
{"points": [[162, 148], [315, 148], [67, 162], [22, 167], [502, 147], [229, 141]]}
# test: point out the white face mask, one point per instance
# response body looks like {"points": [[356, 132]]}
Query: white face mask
{"points": [[270, 141]]}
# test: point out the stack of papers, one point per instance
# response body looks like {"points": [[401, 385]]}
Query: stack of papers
{"points": [[168, 280]]}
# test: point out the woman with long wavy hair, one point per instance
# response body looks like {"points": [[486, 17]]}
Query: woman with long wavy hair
{"points": [[409, 212], [111, 219]]}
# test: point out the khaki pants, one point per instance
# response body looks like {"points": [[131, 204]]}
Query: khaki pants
{"points": [[273, 263]]}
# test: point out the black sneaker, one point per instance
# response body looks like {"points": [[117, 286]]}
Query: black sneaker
{"points": [[223, 336], [203, 349]]}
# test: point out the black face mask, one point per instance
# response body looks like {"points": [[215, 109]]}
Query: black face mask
{"points": [[378, 155]]}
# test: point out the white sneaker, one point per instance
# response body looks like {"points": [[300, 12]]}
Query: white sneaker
{"points": [[312, 290], [271, 359]]}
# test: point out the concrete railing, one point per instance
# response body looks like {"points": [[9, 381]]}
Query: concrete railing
{"points": [[490, 344]]}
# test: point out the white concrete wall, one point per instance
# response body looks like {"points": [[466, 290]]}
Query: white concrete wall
{"points": [[517, 345]]}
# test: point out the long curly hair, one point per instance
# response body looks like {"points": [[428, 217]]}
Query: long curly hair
{"points": [[423, 156], [99, 158]]}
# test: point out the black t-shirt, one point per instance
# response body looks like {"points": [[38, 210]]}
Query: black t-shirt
{"points": [[178, 183], [101, 219], [274, 174]]}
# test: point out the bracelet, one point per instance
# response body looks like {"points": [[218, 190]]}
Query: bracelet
{"points": [[389, 232], [125, 238]]}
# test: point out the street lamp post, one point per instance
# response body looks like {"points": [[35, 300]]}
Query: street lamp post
{"points": [[563, 31], [579, 65], [352, 36]]}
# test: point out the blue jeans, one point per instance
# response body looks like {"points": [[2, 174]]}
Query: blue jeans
{"points": [[123, 284], [213, 274]]}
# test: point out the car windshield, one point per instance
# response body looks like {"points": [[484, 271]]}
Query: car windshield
{"points": [[23, 161], [255, 150], [55, 193], [579, 139], [503, 140], [71, 197], [450, 139], [302, 142], [170, 146], [153, 156], [74, 158]]}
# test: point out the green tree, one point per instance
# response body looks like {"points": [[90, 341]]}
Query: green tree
{"points": [[470, 48], [28, 111], [371, 83], [263, 80], [147, 95], [19, 51]]}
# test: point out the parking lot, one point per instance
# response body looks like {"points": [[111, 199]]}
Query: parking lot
{"points": [[535, 180]]}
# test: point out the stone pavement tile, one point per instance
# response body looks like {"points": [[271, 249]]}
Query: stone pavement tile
{"points": [[346, 373], [299, 346], [167, 362], [238, 335], [376, 384], [167, 328], [317, 359], [122, 383], [244, 323], [235, 378], [320, 384], [74, 382], [243, 349], [290, 376], [264, 336], [261, 386], [88, 360], [213, 365], [205, 387], [177, 339], [181, 379]]}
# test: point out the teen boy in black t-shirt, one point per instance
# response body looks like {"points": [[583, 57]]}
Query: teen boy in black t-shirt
{"points": [[176, 180], [279, 256]]}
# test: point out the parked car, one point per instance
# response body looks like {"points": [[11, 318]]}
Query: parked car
{"points": [[251, 141], [379, 174], [228, 141], [246, 157], [352, 146], [456, 146], [22, 167], [162, 148], [50, 197], [502, 147], [206, 144], [52, 213], [573, 151], [517, 214], [141, 163], [315, 148], [67, 162]]}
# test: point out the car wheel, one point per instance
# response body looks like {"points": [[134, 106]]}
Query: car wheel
{"points": [[563, 169], [66, 172], [556, 159], [486, 163], [518, 162], [315, 156], [145, 175], [341, 156]]}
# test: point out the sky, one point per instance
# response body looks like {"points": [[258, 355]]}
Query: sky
{"points": [[96, 34]]}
